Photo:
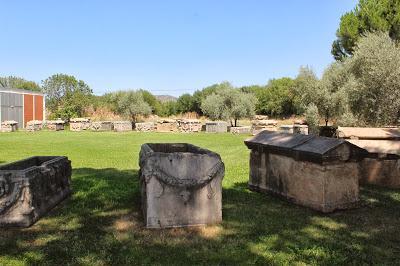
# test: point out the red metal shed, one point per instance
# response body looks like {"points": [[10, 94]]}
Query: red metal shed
{"points": [[21, 106]]}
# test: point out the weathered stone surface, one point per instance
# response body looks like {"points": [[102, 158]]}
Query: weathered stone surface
{"points": [[286, 129], [300, 129], [167, 125], [259, 125], [189, 125], [216, 127], [9, 126], [145, 127], [368, 133], [102, 126], [79, 124], [181, 185], [316, 172], [55, 125], [241, 130], [30, 188], [122, 126], [382, 165], [34, 125]]}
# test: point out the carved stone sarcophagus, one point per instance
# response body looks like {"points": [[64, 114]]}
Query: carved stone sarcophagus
{"points": [[102, 126], [145, 127], [79, 124], [55, 125], [30, 188], [216, 127], [181, 185], [316, 172]]}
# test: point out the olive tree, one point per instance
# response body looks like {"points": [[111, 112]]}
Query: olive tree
{"points": [[229, 104], [130, 104]]}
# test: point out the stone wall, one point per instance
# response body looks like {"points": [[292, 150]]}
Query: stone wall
{"points": [[145, 127], [181, 185], [30, 188], [167, 125]]}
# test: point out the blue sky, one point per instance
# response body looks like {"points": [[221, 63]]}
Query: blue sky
{"points": [[168, 47]]}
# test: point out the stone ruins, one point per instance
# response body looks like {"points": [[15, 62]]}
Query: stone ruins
{"points": [[181, 185], [55, 125], [79, 124], [216, 127], [9, 126], [30, 188], [167, 125], [382, 165], [145, 127], [34, 125], [261, 122], [316, 172], [102, 126], [122, 126], [189, 125], [241, 130]]}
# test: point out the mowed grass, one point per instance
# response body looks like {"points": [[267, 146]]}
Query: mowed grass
{"points": [[102, 224]]}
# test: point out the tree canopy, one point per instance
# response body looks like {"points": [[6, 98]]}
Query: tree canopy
{"points": [[19, 83], [130, 104], [367, 16]]}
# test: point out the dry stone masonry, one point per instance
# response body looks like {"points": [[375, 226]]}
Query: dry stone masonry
{"points": [[316, 172], [181, 185], [122, 126], [30, 188], [261, 123]]}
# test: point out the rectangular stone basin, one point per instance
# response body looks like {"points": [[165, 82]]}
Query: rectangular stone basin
{"points": [[31, 187], [181, 185]]}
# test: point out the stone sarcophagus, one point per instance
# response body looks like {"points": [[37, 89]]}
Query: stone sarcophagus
{"points": [[55, 125], [34, 125], [216, 127], [181, 185], [189, 125], [260, 124], [316, 172], [122, 126], [9, 126], [145, 127], [241, 130], [79, 124], [30, 188], [102, 126]]}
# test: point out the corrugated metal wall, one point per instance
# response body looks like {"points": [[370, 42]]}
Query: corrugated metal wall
{"points": [[38, 107], [12, 107], [28, 108]]}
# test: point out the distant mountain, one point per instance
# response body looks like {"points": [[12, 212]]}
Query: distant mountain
{"points": [[166, 98]]}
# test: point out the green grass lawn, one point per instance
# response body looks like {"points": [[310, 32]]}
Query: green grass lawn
{"points": [[102, 224]]}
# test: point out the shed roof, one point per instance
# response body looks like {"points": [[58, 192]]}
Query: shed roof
{"points": [[306, 147], [19, 91]]}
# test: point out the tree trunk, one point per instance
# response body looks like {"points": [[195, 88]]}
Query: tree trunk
{"points": [[235, 122]]}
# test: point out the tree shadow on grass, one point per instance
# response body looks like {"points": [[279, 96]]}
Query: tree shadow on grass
{"points": [[102, 224]]}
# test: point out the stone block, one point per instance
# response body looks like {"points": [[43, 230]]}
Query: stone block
{"points": [[145, 127], [79, 124], [122, 126], [216, 127], [167, 125], [102, 126], [55, 125], [241, 130], [34, 125], [189, 125], [30, 188], [9, 126], [181, 185], [316, 172]]}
